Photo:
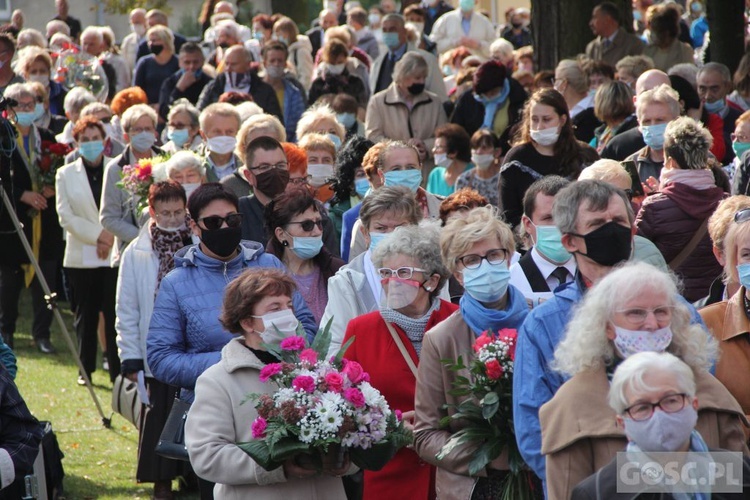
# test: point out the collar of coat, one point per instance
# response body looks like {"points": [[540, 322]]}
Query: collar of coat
{"points": [[393, 98], [235, 356], [735, 320]]}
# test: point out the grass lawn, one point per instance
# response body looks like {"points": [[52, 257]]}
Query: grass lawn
{"points": [[99, 462]]}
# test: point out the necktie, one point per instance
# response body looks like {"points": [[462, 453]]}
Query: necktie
{"points": [[561, 275], [606, 43]]}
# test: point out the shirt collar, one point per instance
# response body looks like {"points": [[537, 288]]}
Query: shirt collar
{"points": [[547, 268]]}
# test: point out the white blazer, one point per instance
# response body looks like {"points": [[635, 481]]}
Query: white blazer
{"points": [[77, 212], [447, 31]]}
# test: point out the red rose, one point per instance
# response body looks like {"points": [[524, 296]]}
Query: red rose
{"points": [[335, 382], [45, 162], [483, 340], [510, 337], [59, 149], [494, 370]]}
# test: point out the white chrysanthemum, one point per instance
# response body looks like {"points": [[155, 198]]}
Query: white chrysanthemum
{"points": [[331, 397], [285, 394], [372, 395], [306, 434]]}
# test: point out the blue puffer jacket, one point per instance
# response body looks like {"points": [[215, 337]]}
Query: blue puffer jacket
{"points": [[185, 336], [534, 383]]}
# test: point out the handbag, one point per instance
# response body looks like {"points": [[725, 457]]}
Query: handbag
{"points": [[172, 439], [125, 400]]}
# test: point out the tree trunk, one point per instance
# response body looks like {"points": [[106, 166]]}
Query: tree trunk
{"points": [[726, 21]]}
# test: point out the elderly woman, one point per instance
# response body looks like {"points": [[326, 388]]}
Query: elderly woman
{"points": [[103, 113], [144, 263], [43, 118], [477, 250], [321, 119], [183, 127], [300, 49], [356, 289], [571, 81], [613, 105], [151, 71], [255, 304], [350, 182], [185, 168], [484, 177], [405, 111], [452, 153], [334, 75], [633, 309], [676, 218], [75, 100], [665, 47], [29, 37], [294, 222], [654, 391], [321, 155], [388, 344], [34, 64]]}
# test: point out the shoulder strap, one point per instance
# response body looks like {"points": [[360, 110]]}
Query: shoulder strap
{"points": [[533, 274], [690, 247], [402, 348]]}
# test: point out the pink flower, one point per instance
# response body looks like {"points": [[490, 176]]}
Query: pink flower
{"points": [[335, 382], [293, 344], [259, 428], [309, 355], [398, 415], [355, 372], [510, 337], [303, 383], [269, 371], [494, 370], [355, 397], [483, 340]]}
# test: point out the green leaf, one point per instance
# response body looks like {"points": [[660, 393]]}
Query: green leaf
{"points": [[491, 398], [489, 410], [258, 451], [342, 351], [322, 341], [288, 448], [480, 460]]}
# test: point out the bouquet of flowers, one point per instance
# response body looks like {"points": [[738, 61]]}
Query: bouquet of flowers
{"points": [[322, 409], [489, 411], [136, 179], [51, 158], [74, 68]]}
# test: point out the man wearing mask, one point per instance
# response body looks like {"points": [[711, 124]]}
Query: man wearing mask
{"points": [[547, 265], [597, 226], [288, 90], [155, 17], [433, 10], [129, 45], [516, 33], [394, 37], [227, 35], [187, 83], [714, 83], [464, 27], [237, 77], [219, 124]]}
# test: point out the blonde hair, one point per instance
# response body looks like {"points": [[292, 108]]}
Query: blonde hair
{"points": [[252, 124], [222, 109], [572, 71], [314, 116], [635, 65], [609, 171], [317, 142], [135, 113], [29, 55], [737, 235], [165, 35], [723, 218]]}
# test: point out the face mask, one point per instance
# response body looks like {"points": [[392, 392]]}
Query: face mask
{"points": [[743, 271], [391, 40], [653, 135], [448, 70], [399, 293], [170, 229], [25, 118], [91, 150], [548, 243], [336, 141], [415, 88], [361, 186], [487, 283], [156, 49], [346, 119], [629, 342], [178, 136], [466, 5], [275, 72], [715, 106], [223, 144], [545, 137], [418, 26], [516, 25], [320, 174], [38, 111], [482, 162], [373, 19], [664, 431], [307, 247], [407, 178], [278, 326], [608, 245], [143, 141], [375, 239], [336, 69], [273, 182], [224, 45], [43, 79], [442, 160], [258, 35], [637, 16], [739, 148], [138, 29], [223, 241]]}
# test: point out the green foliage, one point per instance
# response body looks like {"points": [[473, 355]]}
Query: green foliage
{"points": [[125, 6]]}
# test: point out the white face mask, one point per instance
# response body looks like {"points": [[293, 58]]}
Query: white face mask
{"points": [[442, 160], [190, 187], [482, 162], [278, 326], [138, 29], [43, 79], [171, 229], [320, 173], [336, 69], [223, 144], [630, 342], [546, 137]]}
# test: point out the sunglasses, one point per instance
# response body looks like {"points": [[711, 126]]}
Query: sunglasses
{"points": [[742, 216], [214, 222], [308, 225]]}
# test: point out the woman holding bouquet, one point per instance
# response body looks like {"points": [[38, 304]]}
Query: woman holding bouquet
{"points": [[256, 303], [388, 344], [476, 249]]}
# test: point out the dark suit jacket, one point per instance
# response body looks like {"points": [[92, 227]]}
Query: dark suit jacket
{"points": [[316, 37], [263, 94]]}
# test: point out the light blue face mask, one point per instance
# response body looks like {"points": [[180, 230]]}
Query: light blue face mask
{"points": [[391, 40], [739, 148], [375, 239], [715, 106], [143, 141], [346, 119], [307, 247], [362, 186], [336, 140], [653, 135], [549, 244], [407, 178], [487, 283], [466, 5], [178, 136], [38, 111], [91, 150], [25, 118], [743, 271]]}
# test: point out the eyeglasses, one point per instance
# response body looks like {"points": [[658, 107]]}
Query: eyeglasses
{"points": [[28, 106], [668, 404], [265, 167], [739, 138], [214, 222], [177, 214], [405, 273], [300, 181], [136, 131], [308, 224], [495, 257], [106, 119], [742, 215], [637, 316]]}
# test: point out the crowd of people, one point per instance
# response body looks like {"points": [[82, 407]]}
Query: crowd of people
{"points": [[404, 175]]}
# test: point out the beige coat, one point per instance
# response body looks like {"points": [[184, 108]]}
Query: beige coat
{"points": [[448, 340], [580, 434], [218, 420]]}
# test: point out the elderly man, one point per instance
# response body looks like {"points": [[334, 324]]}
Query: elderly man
{"points": [[394, 36], [327, 19], [612, 43], [155, 17], [62, 15], [714, 83], [220, 123], [137, 35], [237, 77], [464, 27], [54, 27], [227, 34], [188, 82], [222, 9], [597, 226]]}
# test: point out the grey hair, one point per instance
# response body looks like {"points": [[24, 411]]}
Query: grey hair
{"points": [[61, 25], [688, 71], [31, 37], [223, 109], [572, 71], [585, 345], [95, 107], [184, 160], [96, 30], [635, 65], [314, 115], [247, 109], [480, 224], [185, 106], [394, 17], [396, 199], [719, 68], [687, 142], [76, 99], [422, 243], [663, 94], [388, 146], [596, 194], [411, 64], [631, 372], [135, 113], [505, 49], [17, 91], [231, 26]]}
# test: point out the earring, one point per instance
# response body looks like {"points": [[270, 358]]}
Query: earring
{"points": [[285, 243]]}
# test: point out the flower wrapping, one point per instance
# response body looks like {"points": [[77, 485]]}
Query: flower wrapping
{"points": [[136, 179]]}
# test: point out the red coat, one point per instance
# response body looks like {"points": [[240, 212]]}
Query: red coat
{"points": [[406, 476]]}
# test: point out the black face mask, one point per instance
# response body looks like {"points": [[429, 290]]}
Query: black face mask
{"points": [[224, 45], [608, 245], [222, 242], [272, 182], [156, 49], [516, 25], [416, 88]]}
